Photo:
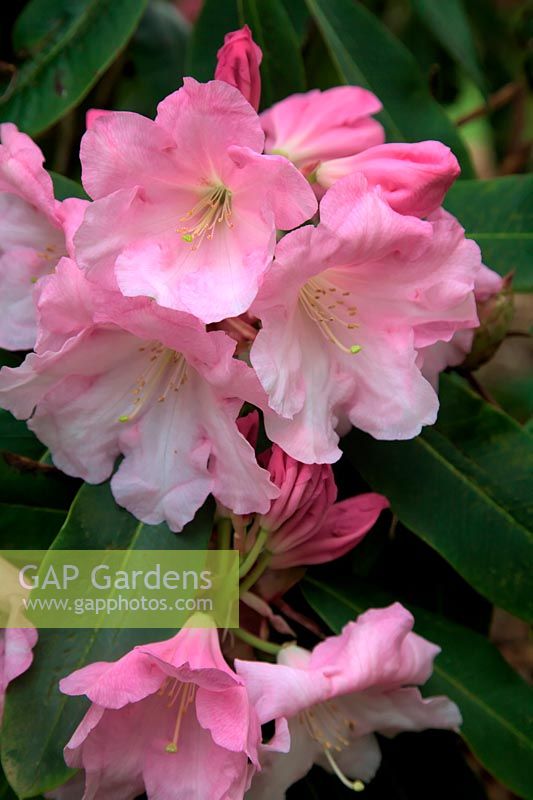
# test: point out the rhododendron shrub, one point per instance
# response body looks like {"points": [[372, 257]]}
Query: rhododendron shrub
{"points": [[254, 327]]}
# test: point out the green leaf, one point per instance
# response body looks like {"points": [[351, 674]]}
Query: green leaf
{"points": [[449, 23], [494, 701], [69, 44], [498, 214], [216, 19], [16, 437], [367, 54], [41, 720], [282, 68], [156, 57], [25, 481], [463, 486], [65, 187]]}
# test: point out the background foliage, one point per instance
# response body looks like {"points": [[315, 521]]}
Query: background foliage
{"points": [[457, 548]]}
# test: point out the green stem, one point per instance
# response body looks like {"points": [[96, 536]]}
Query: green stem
{"points": [[251, 557], [224, 531], [260, 566], [255, 641]]}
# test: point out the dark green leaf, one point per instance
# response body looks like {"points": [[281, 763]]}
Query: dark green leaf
{"points": [[68, 45], [494, 701], [367, 54], [282, 69], [216, 19], [498, 214], [464, 487], [156, 57], [17, 438], [65, 187], [25, 481], [40, 720], [449, 23]]}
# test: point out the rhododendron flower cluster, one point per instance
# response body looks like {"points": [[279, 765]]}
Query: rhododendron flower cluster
{"points": [[290, 261]]}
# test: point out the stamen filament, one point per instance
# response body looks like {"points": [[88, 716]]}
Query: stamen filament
{"points": [[211, 210], [355, 786]]}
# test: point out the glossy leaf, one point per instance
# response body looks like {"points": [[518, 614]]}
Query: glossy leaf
{"points": [[67, 44], [494, 701], [282, 69], [39, 718], [156, 60], [65, 187], [216, 19], [450, 25], [498, 214], [464, 487], [367, 54]]}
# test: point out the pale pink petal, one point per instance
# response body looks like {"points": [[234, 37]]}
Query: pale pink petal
{"points": [[309, 128], [379, 651], [206, 118], [122, 150]]}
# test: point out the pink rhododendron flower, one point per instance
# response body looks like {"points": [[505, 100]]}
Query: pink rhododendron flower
{"points": [[16, 656], [305, 525], [116, 375], [329, 703], [194, 203], [344, 312], [33, 231], [238, 63], [169, 718], [318, 126], [413, 177]]}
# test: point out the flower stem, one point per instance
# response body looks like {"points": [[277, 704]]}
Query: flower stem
{"points": [[224, 531], [251, 557], [260, 566], [255, 641]]}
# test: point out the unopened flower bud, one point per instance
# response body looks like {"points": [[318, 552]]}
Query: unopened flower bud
{"points": [[495, 315], [238, 64]]}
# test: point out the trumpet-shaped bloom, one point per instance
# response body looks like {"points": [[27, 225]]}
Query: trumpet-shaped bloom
{"points": [[238, 62], [34, 233], [319, 126], [413, 177], [305, 524], [171, 719], [112, 376], [329, 703], [194, 203], [16, 656], [344, 312]]}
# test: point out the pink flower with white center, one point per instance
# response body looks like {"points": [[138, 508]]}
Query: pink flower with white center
{"points": [[344, 312], [16, 656], [34, 233], [304, 524], [335, 698], [171, 719], [318, 126], [194, 203], [238, 63], [413, 177], [113, 375]]}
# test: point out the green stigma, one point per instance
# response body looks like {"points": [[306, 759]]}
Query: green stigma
{"points": [[355, 348], [171, 748], [123, 418], [358, 786], [187, 237]]}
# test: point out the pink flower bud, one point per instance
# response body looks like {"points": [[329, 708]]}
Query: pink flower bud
{"points": [[305, 524], [238, 64]]}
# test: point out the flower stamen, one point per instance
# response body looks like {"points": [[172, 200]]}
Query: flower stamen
{"points": [[185, 693], [333, 315], [166, 372], [326, 726], [211, 210]]}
